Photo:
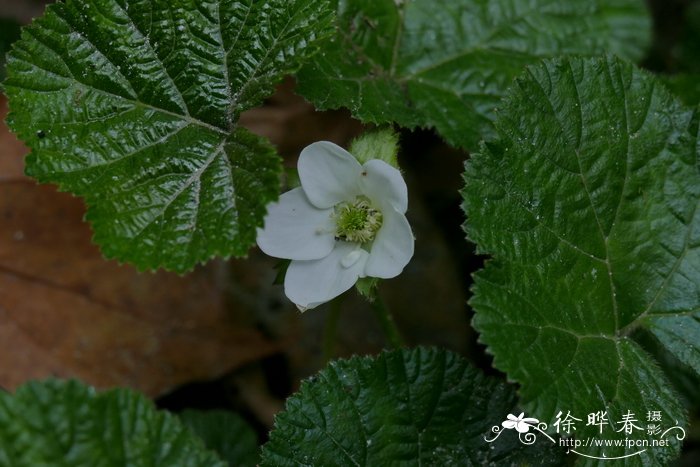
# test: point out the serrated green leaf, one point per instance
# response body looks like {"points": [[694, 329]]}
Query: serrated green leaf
{"points": [[588, 202], [447, 63], [405, 407], [225, 433], [684, 379], [66, 423], [381, 143], [367, 287], [133, 104]]}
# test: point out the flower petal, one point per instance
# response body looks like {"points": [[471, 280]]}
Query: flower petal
{"points": [[522, 427], [508, 424], [329, 174], [295, 229], [383, 184], [392, 248], [311, 283]]}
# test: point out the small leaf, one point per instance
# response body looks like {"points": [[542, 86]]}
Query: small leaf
{"points": [[588, 201], [225, 433], [367, 288], [408, 407], [447, 63], [67, 423], [281, 271], [382, 144], [133, 105]]}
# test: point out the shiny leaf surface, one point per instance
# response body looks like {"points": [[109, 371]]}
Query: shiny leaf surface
{"points": [[588, 202], [66, 423], [133, 105], [406, 407], [447, 63]]}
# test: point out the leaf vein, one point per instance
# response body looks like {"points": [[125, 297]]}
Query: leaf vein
{"points": [[194, 176]]}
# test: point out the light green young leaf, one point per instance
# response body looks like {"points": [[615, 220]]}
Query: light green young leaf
{"points": [[226, 433], [381, 143], [66, 423], [588, 201], [133, 105], [447, 63], [407, 407]]}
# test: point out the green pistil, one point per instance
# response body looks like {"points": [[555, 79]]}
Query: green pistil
{"points": [[357, 221]]}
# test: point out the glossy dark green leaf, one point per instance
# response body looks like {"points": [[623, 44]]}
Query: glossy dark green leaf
{"points": [[52, 423], [588, 202], [447, 63], [405, 407], [226, 433], [133, 104], [685, 380]]}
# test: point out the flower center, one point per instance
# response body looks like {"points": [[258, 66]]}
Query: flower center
{"points": [[357, 221]]}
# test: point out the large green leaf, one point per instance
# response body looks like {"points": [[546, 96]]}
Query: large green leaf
{"points": [[447, 63], [588, 201], [406, 407], [68, 424], [226, 433], [133, 105]]}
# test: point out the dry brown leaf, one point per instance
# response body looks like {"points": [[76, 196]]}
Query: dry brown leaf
{"points": [[67, 312], [291, 123]]}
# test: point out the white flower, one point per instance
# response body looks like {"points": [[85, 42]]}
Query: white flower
{"points": [[346, 221], [520, 423]]}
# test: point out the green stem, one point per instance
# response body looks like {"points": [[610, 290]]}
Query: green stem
{"points": [[388, 325], [331, 329]]}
